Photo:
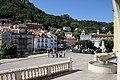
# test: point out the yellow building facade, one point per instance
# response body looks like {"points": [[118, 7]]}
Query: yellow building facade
{"points": [[115, 34]]}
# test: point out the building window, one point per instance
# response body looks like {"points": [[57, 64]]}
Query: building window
{"points": [[38, 40], [42, 46], [42, 36], [51, 40], [15, 41], [46, 46], [42, 40], [55, 40], [46, 41], [38, 46], [51, 43]]}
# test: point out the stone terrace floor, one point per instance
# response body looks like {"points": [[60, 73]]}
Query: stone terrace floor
{"points": [[80, 66]]}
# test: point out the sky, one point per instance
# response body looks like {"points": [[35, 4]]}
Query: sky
{"points": [[97, 10]]}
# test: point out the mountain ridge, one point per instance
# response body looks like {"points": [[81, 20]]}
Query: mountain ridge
{"points": [[25, 11]]}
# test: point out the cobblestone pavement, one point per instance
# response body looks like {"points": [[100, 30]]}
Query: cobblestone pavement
{"points": [[80, 63]]}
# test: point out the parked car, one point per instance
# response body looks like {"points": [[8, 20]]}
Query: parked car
{"points": [[88, 51]]}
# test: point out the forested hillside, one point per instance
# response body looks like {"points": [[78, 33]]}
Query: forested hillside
{"points": [[25, 11]]}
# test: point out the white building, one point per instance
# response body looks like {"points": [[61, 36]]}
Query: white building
{"points": [[44, 40], [96, 39], [85, 37], [67, 28]]}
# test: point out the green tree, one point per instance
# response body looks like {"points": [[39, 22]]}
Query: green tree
{"points": [[85, 44], [8, 49], [108, 44], [60, 36], [2, 50], [77, 33]]}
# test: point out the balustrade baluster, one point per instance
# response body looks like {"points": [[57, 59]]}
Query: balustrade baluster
{"points": [[18, 75], [55, 68], [31, 74], [65, 67], [23, 75], [38, 72], [52, 69], [8, 76], [28, 74], [11, 77], [2, 77], [35, 72], [58, 68], [5, 76], [62, 67], [48, 71], [43, 71]]}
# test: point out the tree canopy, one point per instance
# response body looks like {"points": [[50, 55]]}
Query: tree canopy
{"points": [[8, 49]]}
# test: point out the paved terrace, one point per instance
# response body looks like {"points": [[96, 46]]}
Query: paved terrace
{"points": [[80, 63]]}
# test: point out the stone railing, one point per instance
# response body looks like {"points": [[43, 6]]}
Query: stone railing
{"points": [[36, 71]]}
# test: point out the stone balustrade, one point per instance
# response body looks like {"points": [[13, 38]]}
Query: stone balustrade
{"points": [[36, 71]]}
